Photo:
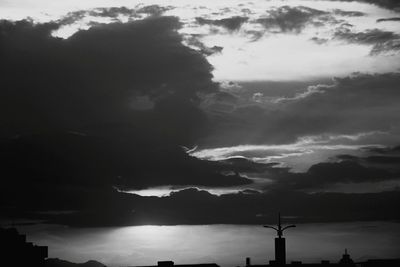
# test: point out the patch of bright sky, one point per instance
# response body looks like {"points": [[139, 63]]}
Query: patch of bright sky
{"points": [[166, 190], [292, 57], [273, 57]]}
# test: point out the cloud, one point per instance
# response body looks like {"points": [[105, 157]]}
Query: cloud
{"points": [[91, 77], [351, 104], [292, 19], [192, 206], [73, 125], [131, 94], [374, 168], [194, 42], [96, 162], [92, 202], [72, 17], [382, 41], [348, 105], [113, 13], [154, 10], [379, 157], [386, 47], [231, 24], [365, 166], [322, 176], [389, 4], [348, 13], [388, 19]]}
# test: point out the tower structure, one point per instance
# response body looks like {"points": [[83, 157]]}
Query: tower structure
{"points": [[280, 246], [346, 260]]}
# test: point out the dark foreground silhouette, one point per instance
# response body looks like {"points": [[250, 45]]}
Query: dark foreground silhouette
{"points": [[345, 261], [16, 252], [63, 263]]}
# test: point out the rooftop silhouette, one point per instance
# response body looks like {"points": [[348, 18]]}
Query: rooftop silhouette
{"points": [[17, 252], [345, 261], [172, 264]]}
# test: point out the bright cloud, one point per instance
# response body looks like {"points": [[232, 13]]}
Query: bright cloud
{"points": [[299, 156]]}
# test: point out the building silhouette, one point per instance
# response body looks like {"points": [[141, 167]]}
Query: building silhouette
{"points": [[280, 246], [345, 261], [17, 252], [172, 264]]}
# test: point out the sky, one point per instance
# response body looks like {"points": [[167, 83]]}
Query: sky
{"points": [[119, 113]]}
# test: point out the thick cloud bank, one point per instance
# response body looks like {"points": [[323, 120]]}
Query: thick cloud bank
{"points": [[107, 107], [118, 107]]}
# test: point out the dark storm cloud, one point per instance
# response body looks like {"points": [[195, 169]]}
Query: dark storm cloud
{"points": [[231, 24], [72, 17], [358, 103], [89, 85], [262, 207], [243, 165], [364, 87], [322, 175], [113, 13], [293, 19], [388, 19], [193, 41], [192, 206], [354, 104], [348, 13], [96, 162], [287, 19], [389, 46], [384, 150], [387, 158], [370, 36], [318, 40], [96, 85], [380, 40], [154, 10], [388, 4], [92, 202], [94, 76], [346, 169]]}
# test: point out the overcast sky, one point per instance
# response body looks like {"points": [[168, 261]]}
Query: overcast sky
{"points": [[121, 109]]}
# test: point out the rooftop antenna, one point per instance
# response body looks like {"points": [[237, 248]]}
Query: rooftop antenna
{"points": [[279, 229]]}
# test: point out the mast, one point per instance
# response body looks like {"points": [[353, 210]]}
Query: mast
{"points": [[280, 247]]}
